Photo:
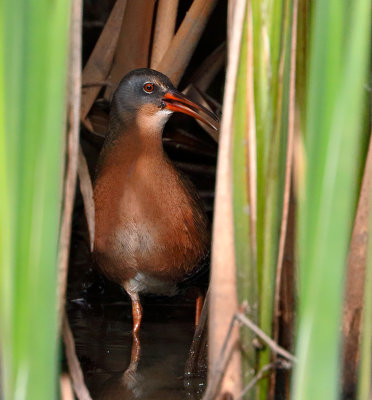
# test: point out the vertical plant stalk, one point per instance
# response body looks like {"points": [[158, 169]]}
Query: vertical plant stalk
{"points": [[287, 185], [303, 42], [133, 45], [244, 180], [199, 345], [86, 189], [66, 388], [354, 288], [272, 102], [6, 278], [76, 372], [175, 60], [288, 169], [230, 14], [223, 300], [287, 305], [99, 63], [34, 47], [364, 383], [337, 78], [72, 148], [164, 29], [251, 132]]}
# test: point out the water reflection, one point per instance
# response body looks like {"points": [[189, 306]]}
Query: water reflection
{"points": [[104, 339]]}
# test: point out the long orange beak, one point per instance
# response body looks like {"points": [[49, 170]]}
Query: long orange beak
{"points": [[176, 101]]}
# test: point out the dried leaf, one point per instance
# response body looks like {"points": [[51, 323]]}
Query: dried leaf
{"points": [[74, 367], [251, 136], [223, 300], [134, 40], [86, 189], [100, 61], [73, 104], [354, 290], [164, 29], [177, 57], [199, 342], [98, 122], [66, 388]]}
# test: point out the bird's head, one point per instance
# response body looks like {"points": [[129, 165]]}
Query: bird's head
{"points": [[149, 98]]}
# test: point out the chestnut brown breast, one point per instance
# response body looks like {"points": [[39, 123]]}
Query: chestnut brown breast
{"points": [[148, 218]]}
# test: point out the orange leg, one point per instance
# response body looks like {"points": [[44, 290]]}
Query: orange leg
{"points": [[136, 349], [130, 373], [198, 307], [137, 315], [136, 345], [136, 306]]}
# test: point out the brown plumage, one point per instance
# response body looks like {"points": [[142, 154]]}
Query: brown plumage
{"points": [[151, 230]]}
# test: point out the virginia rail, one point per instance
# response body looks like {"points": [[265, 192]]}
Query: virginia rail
{"points": [[151, 229]]}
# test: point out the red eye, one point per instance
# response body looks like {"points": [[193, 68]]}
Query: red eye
{"points": [[148, 87]]}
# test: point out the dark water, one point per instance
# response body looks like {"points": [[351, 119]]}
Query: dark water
{"points": [[103, 338]]}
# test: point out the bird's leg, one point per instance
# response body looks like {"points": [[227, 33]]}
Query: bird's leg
{"points": [[198, 306], [137, 315], [136, 344], [136, 349], [136, 307], [130, 374]]}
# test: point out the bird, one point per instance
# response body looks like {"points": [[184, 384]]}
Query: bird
{"points": [[151, 229]]}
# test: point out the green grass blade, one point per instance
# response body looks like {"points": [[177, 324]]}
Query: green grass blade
{"points": [[5, 253], [271, 66], [244, 241], [33, 60], [338, 61], [272, 24]]}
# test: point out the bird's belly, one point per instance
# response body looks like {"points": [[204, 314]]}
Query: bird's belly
{"points": [[154, 255], [161, 250], [148, 226]]}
